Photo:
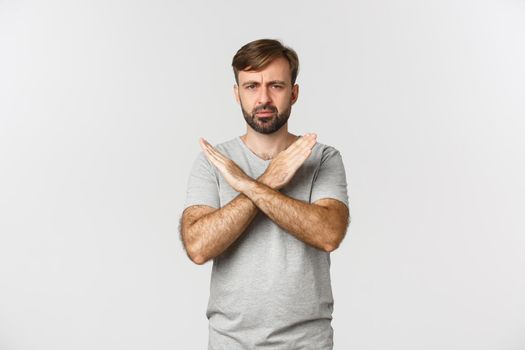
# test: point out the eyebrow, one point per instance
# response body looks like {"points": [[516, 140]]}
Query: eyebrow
{"points": [[250, 82]]}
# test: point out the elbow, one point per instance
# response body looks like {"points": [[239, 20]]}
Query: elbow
{"points": [[193, 249], [336, 237], [333, 243], [330, 247], [195, 254], [197, 257], [337, 232]]}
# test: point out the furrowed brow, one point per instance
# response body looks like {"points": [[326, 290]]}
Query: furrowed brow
{"points": [[253, 82], [250, 82]]}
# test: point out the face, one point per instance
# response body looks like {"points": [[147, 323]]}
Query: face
{"points": [[266, 96]]}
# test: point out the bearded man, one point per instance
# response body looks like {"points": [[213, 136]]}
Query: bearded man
{"points": [[267, 207]]}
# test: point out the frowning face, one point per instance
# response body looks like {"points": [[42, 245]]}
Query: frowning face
{"points": [[266, 96]]}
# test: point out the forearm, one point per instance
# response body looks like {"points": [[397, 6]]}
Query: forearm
{"points": [[313, 224], [213, 233]]}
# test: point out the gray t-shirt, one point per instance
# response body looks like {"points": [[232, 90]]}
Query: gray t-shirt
{"points": [[269, 290]]}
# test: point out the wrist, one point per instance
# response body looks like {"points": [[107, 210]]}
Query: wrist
{"points": [[246, 185], [269, 181], [264, 180]]}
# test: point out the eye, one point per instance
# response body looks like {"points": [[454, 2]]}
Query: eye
{"points": [[250, 87], [277, 86]]}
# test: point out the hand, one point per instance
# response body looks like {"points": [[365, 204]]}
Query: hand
{"points": [[284, 166], [233, 174]]}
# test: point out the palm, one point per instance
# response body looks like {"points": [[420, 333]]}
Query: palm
{"points": [[231, 172], [283, 167]]}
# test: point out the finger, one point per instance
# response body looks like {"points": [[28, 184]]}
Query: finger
{"points": [[297, 158], [313, 141], [297, 144], [220, 160], [215, 153], [301, 157], [207, 150], [305, 143], [201, 143], [298, 161], [306, 140], [310, 141], [205, 145]]}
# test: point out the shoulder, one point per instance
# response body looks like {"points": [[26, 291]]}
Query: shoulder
{"points": [[323, 152]]}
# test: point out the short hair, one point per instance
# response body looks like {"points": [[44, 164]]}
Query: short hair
{"points": [[258, 54]]}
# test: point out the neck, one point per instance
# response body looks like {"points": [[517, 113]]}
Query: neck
{"points": [[267, 146]]}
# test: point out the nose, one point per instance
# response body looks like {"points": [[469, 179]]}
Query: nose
{"points": [[264, 97]]}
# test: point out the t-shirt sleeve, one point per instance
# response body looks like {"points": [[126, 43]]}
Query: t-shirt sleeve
{"points": [[330, 179], [203, 186]]}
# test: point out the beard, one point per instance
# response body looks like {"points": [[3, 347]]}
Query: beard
{"points": [[267, 125]]}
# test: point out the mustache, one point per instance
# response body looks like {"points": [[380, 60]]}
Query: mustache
{"points": [[265, 108]]}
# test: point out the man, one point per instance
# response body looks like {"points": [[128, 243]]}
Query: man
{"points": [[268, 207]]}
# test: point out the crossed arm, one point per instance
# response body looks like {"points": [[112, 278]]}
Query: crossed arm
{"points": [[207, 232]]}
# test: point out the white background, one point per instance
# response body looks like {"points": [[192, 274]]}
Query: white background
{"points": [[101, 107]]}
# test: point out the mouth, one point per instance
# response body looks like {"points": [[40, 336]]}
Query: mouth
{"points": [[265, 114]]}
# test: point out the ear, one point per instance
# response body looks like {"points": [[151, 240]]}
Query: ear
{"points": [[236, 92], [295, 93]]}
